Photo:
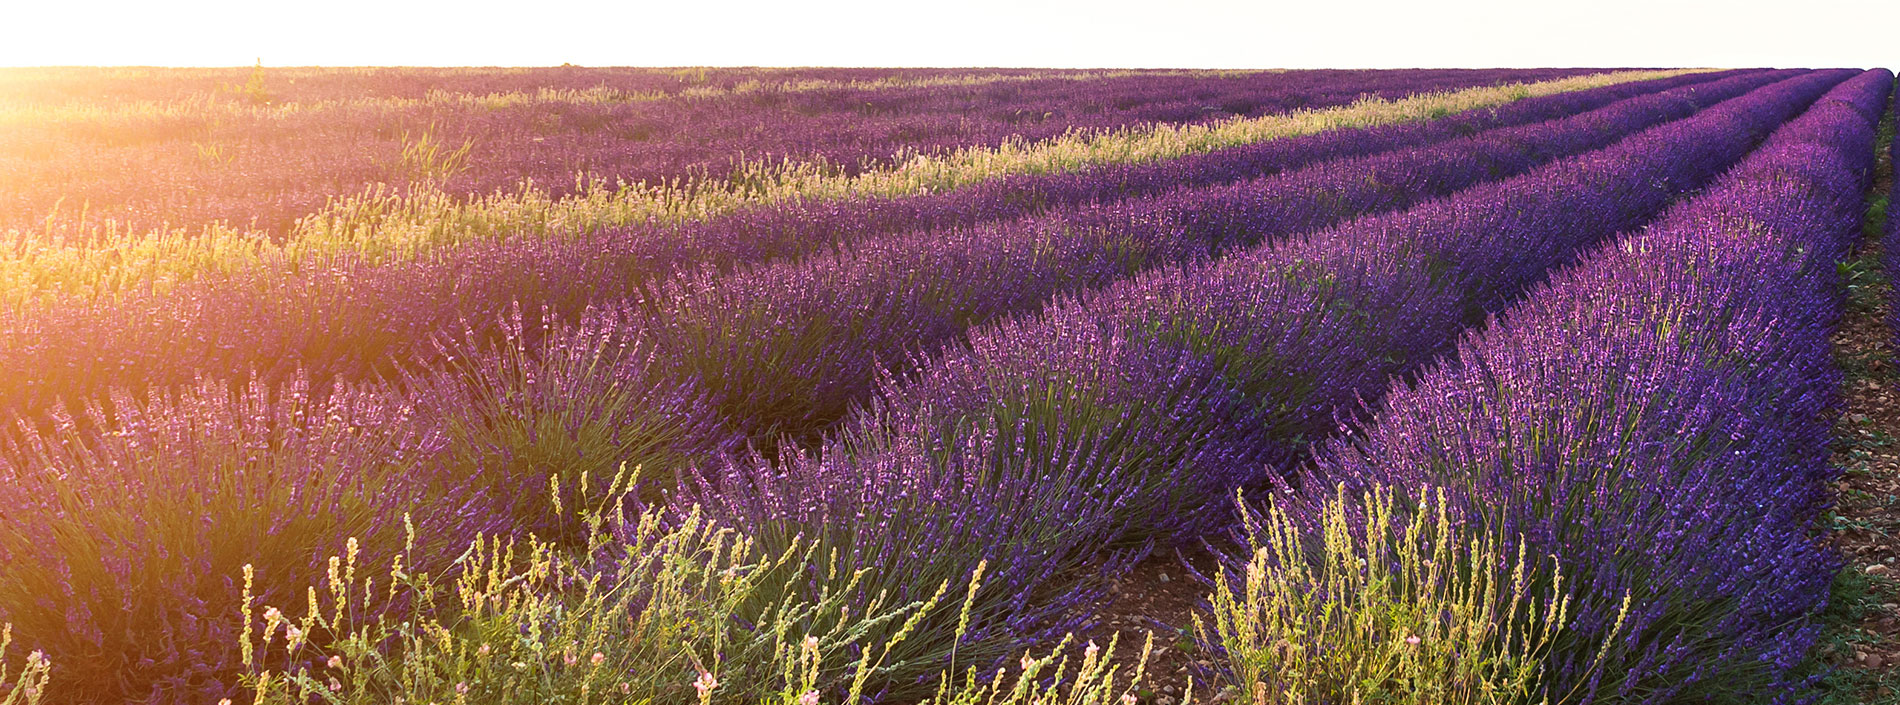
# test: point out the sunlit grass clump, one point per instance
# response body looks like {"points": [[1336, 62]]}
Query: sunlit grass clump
{"points": [[655, 609], [1386, 602]]}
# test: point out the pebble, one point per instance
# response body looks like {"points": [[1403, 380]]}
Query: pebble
{"points": [[1163, 578], [1878, 569], [1874, 661]]}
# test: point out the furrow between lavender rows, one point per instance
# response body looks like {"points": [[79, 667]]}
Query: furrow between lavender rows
{"points": [[1654, 425], [355, 320], [1127, 415]]}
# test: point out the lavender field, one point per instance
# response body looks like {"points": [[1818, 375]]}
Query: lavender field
{"points": [[958, 386]]}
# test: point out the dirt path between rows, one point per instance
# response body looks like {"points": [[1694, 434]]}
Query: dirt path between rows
{"points": [[1862, 642]]}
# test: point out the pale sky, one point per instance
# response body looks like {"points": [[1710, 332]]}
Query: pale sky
{"points": [[1032, 33]]}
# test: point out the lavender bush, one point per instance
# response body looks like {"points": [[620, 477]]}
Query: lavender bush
{"points": [[126, 524]]}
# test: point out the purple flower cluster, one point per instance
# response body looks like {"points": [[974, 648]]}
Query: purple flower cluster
{"points": [[1657, 418], [356, 320], [1128, 414]]}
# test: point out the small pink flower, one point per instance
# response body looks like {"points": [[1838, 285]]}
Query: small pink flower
{"points": [[461, 688], [335, 686], [1128, 699], [1091, 651], [570, 659], [705, 684], [624, 688], [599, 658], [809, 698], [1413, 640], [484, 651], [336, 661]]}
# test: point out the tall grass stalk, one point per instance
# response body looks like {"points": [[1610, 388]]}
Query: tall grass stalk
{"points": [[29, 685]]}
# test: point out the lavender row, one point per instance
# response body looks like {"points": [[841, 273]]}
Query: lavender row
{"points": [[269, 167], [789, 348], [1657, 419], [1125, 416], [356, 320], [780, 229]]}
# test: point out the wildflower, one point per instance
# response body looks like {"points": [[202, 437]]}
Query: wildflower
{"points": [[1413, 640], [336, 661], [705, 684], [484, 651], [811, 644], [1090, 652], [809, 698], [1028, 662], [624, 688], [519, 666], [461, 688], [1128, 699], [224, 701], [570, 659], [598, 658], [335, 686]]}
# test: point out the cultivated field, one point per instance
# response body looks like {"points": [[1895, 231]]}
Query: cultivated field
{"points": [[953, 386]]}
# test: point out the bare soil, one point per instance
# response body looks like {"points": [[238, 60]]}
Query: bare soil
{"points": [[1861, 650]]}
